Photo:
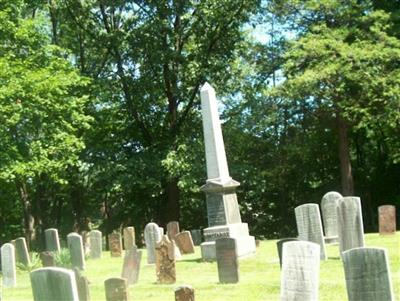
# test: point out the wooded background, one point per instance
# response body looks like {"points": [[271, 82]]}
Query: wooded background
{"points": [[100, 122]]}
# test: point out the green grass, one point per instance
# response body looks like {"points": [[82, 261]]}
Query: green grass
{"points": [[259, 276]]}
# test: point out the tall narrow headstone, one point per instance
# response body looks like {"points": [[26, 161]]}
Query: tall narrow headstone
{"points": [[54, 284], [350, 226], [227, 260], [329, 204], [116, 289], [387, 219], [96, 244], [300, 271], [131, 265], [21, 251], [222, 206], [309, 226], [367, 274], [185, 242], [8, 267], [172, 229], [129, 238], [115, 244], [75, 246], [52, 240], [82, 285], [165, 261], [196, 236], [279, 245], [151, 235], [184, 293]]}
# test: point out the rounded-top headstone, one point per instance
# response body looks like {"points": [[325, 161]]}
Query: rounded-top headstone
{"points": [[329, 203], [152, 234], [52, 240], [75, 247], [8, 267]]}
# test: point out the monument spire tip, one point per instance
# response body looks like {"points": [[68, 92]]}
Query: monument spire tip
{"points": [[206, 87]]}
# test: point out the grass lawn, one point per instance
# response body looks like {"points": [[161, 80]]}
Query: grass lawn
{"points": [[259, 276]]}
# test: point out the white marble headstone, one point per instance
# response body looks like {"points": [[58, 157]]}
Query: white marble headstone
{"points": [[152, 234], [8, 267]]}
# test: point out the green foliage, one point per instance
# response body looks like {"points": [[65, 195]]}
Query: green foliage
{"points": [[35, 263], [63, 258]]}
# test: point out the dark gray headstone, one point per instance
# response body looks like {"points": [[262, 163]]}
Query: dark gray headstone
{"points": [[196, 236], [54, 284], [52, 240], [227, 260], [309, 225], [116, 289], [75, 247], [300, 271], [350, 226], [8, 267], [367, 274], [131, 265], [21, 251], [279, 245]]}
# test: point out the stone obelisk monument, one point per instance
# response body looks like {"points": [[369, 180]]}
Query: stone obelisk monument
{"points": [[220, 189]]}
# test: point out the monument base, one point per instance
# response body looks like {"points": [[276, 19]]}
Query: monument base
{"points": [[246, 244]]}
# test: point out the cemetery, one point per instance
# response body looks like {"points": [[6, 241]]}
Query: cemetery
{"points": [[200, 150]]}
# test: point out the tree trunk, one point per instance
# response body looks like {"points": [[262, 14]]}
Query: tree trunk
{"points": [[171, 208], [29, 220], [344, 157]]}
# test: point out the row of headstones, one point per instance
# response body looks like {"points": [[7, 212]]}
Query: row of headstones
{"points": [[366, 270], [53, 283]]}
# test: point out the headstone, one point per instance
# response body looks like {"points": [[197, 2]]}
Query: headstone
{"points": [[387, 219], [279, 245], [131, 265], [300, 271], [116, 289], [47, 259], [367, 274], [165, 261], [172, 229], [258, 243], [82, 285], [52, 241], [329, 204], [21, 251], [227, 260], [350, 226], [184, 293], [115, 244], [75, 246], [129, 238], [222, 206], [86, 242], [8, 267], [185, 242], [96, 244], [196, 236], [54, 284], [152, 235], [309, 226]]}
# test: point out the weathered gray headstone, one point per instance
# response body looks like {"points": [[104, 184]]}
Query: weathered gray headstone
{"points": [[52, 240], [184, 293], [387, 219], [131, 265], [47, 259], [115, 244], [196, 236], [165, 261], [185, 242], [279, 245], [75, 246], [227, 260], [82, 285], [172, 229], [222, 206], [309, 226], [300, 271], [54, 284], [367, 274], [116, 289], [152, 235], [21, 251], [129, 238], [96, 244], [350, 224], [329, 204], [8, 267]]}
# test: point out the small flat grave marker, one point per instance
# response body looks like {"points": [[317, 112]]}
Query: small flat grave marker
{"points": [[184, 293]]}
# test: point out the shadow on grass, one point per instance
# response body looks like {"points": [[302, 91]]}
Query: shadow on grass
{"points": [[334, 258], [198, 260]]}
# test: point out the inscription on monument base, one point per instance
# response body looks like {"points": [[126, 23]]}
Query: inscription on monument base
{"points": [[215, 209]]}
